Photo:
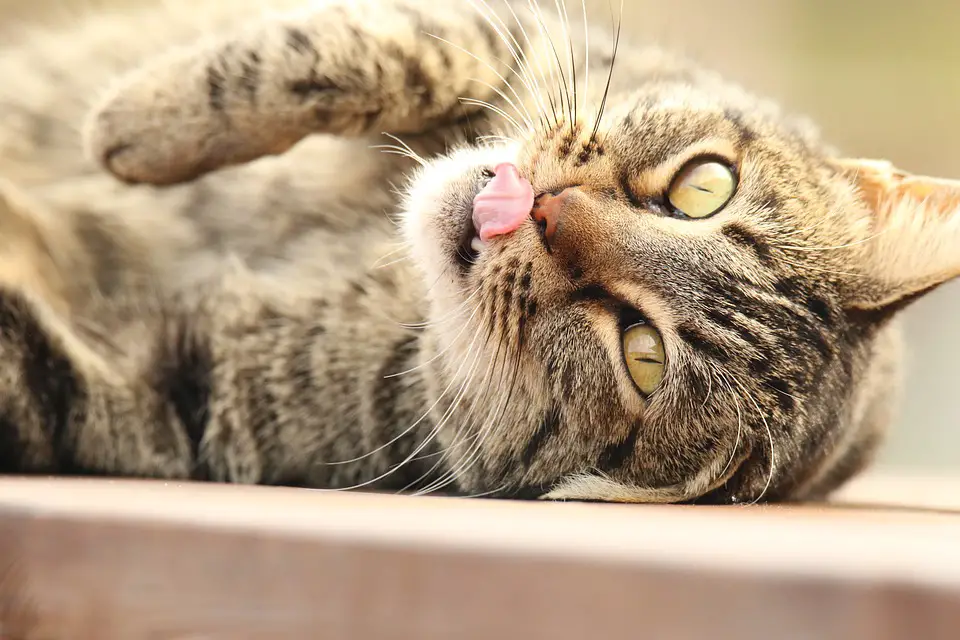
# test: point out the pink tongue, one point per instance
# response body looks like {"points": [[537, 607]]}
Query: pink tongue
{"points": [[503, 204]]}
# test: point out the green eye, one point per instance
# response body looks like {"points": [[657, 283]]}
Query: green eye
{"points": [[643, 353], [702, 188]]}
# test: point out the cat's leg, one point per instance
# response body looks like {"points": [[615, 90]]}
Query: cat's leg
{"points": [[52, 69], [347, 68]]}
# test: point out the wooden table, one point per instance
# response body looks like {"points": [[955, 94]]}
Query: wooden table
{"points": [[104, 560]]}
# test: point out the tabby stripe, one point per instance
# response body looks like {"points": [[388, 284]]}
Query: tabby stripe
{"points": [[186, 381], [615, 455], [741, 235], [250, 75], [300, 366], [56, 392], [417, 81], [215, 87], [728, 321], [590, 293], [796, 290], [549, 426], [783, 392], [821, 309], [744, 133], [299, 41], [788, 323], [388, 387], [770, 202], [704, 345], [12, 447]]}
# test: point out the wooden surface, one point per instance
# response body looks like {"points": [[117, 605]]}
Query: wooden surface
{"points": [[104, 559]]}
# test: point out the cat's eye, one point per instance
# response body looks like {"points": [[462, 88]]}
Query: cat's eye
{"points": [[702, 188], [644, 356]]}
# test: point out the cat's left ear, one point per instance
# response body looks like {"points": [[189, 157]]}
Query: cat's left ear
{"points": [[914, 243]]}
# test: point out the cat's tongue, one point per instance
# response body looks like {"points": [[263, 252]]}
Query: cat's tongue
{"points": [[502, 206]]}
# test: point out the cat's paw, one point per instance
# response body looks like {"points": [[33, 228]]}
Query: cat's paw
{"points": [[347, 68]]}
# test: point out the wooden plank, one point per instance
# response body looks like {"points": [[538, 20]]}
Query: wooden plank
{"points": [[103, 559]]}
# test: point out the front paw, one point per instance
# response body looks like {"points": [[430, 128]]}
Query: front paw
{"points": [[347, 69]]}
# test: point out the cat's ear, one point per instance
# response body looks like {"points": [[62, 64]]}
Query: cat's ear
{"points": [[914, 242]]}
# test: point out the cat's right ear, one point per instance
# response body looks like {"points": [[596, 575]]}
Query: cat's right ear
{"points": [[913, 242]]}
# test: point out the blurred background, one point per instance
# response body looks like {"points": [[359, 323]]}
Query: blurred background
{"points": [[880, 79]]}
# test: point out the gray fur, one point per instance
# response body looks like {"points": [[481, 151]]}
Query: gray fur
{"points": [[226, 316]]}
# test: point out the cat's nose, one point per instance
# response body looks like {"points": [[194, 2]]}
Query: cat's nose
{"points": [[548, 211]]}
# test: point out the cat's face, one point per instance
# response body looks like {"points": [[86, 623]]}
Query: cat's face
{"points": [[692, 321]]}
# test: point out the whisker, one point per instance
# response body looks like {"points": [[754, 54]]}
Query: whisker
{"points": [[404, 432], [562, 80], [833, 248], [444, 454], [572, 67], [439, 354], [400, 152], [455, 471], [451, 474], [497, 110], [724, 375], [586, 53], [469, 461], [435, 431], [483, 494], [524, 114], [773, 451], [455, 403], [821, 270], [379, 264], [555, 103], [613, 62], [457, 312], [545, 90], [404, 146], [493, 138], [485, 63], [519, 55]]}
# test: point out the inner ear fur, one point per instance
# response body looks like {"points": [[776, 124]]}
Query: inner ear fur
{"points": [[914, 245]]}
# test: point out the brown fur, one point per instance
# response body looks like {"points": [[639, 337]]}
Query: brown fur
{"points": [[251, 324]]}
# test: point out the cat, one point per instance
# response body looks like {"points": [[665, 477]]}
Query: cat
{"points": [[583, 269]]}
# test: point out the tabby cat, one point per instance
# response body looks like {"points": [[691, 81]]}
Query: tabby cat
{"points": [[582, 270]]}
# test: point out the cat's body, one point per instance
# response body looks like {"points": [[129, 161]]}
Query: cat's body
{"points": [[265, 323]]}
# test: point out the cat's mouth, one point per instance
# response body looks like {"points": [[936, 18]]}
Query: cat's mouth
{"points": [[470, 245], [502, 204]]}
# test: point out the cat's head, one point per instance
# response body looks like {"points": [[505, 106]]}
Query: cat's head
{"points": [[698, 305]]}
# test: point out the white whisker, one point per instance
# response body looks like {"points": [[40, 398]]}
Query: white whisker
{"points": [[773, 452], [540, 91], [516, 50], [571, 62], [406, 431], [524, 114], [486, 64], [495, 109], [439, 354], [545, 36]]}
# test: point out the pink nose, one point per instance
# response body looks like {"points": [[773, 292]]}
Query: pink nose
{"points": [[503, 205], [548, 209]]}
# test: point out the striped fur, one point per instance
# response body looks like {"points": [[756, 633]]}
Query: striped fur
{"points": [[217, 314]]}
